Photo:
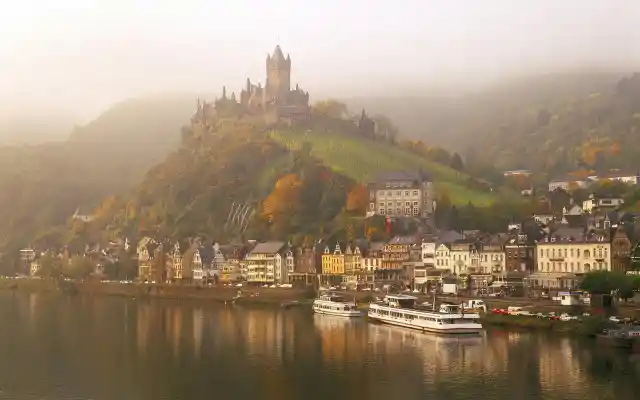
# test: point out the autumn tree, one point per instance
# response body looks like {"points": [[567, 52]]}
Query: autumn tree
{"points": [[357, 199], [329, 109], [282, 202]]}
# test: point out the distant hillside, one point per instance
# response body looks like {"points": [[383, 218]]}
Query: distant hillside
{"points": [[547, 123], [42, 185]]}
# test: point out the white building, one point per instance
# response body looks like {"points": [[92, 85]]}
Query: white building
{"points": [[575, 256], [443, 257], [372, 261], [429, 253], [268, 263]]}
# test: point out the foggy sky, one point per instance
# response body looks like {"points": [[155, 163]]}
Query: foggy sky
{"points": [[83, 55]]}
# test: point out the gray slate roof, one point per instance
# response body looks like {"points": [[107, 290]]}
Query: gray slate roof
{"points": [[267, 248]]}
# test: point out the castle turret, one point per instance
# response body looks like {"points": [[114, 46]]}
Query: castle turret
{"points": [[224, 93], [278, 74]]}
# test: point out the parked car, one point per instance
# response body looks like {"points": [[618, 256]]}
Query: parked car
{"points": [[567, 317]]}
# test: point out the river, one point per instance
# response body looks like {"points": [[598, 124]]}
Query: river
{"points": [[60, 347]]}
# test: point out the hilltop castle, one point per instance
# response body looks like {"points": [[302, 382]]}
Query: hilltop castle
{"points": [[276, 101]]}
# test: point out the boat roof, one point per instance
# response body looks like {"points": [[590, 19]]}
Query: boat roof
{"points": [[401, 297]]}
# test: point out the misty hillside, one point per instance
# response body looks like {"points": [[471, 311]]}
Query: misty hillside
{"points": [[42, 185], [447, 119]]}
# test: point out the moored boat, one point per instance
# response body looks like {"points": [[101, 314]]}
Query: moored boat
{"points": [[401, 310], [332, 304]]}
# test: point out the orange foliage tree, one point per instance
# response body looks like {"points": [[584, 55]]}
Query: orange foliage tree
{"points": [[283, 199], [357, 199]]}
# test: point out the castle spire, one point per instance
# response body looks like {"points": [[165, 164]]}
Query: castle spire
{"points": [[248, 85], [277, 54], [224, 93]]}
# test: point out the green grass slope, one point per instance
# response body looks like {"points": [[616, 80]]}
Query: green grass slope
{"points": [[362, 160]]}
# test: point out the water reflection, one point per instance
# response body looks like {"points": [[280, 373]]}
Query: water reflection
{"points": [[105, 348]]}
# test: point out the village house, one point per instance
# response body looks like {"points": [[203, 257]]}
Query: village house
{"points": [[519, 254], [628, 177], [428, 252], [202, 264], [146, 251], [601, 203], [568, 184], [230, 269], [620, 251], [464, 257], [305, 261], [491, 255], [352, 261], [333, 264], [401, 194], [372, 261], [443, 257], [176, 262], [263, 262]]}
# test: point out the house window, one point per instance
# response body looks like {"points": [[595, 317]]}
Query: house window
{"points": [[389, 211], [398, 210], [372, 206], [382, 211], [407, 203], [415, 192], [406, 193], [415, 204], [416, 211], [398, 193]]}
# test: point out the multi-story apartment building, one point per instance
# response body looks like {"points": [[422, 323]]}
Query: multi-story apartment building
{"points": [[401, 194], [573, 255], [263, 261]]}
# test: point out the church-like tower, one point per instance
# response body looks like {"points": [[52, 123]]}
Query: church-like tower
{"points": [[278, 75]]}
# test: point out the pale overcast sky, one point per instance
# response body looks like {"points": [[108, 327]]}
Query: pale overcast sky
{"points": [[85, 54]]}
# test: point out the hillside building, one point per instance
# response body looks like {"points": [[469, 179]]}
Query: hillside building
{"points": [[402, 194]]}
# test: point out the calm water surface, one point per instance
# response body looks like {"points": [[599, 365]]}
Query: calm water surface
{"points": [[58, 348]]}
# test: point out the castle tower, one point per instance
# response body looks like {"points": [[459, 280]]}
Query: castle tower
{"points": [[278, 74]]}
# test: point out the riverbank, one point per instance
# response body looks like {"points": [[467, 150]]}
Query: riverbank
{"points": [[588, 326], [217, 294]]}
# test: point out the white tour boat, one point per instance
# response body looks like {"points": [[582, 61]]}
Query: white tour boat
{"points": [[332, 304], [401, 310]]}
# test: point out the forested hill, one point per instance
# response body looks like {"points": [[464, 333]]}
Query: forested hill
{"points": [[553, 124], [42, 185]]}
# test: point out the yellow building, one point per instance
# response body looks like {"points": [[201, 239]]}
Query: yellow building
{"points": [[333, 262]]}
